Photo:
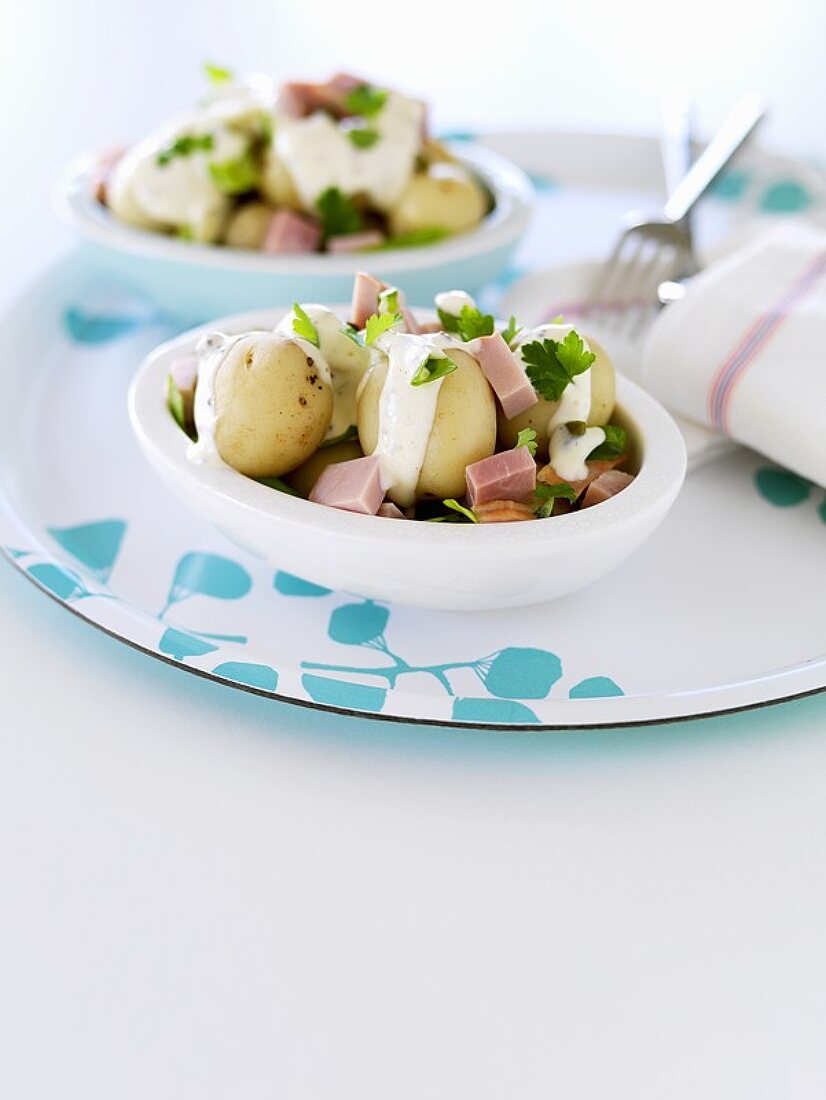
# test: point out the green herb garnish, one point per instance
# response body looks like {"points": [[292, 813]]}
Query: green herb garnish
{"points": [[217, 74], [185, 233], [415, 239], [352, 333], [449, 321], [185, 146], [363, 139], [365, 100], [277, 483], [552, 364], [455, 506], [433, 367], [389, 300], [339, 214], [549, 494], [510, 333], [236, 176], [527, 438], [473, 323], [614, 445], [175, 403], [304, 327], [379, 323]]}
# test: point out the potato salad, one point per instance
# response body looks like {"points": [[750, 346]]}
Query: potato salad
{"points": [[341, 166], [380, 412]]}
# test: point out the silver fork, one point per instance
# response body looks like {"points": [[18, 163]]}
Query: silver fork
{"points": [[655, 250]]}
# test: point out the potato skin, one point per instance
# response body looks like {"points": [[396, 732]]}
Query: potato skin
{"points": [[603, 390], [464, 427], [308, 473], [443, 197], [247, 225], [273, 406]]}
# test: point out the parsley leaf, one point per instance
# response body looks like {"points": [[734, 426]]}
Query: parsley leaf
{"points": [[217, 74], [363, 139], [304, 327], [414, 239], [352, 333], [433, 367], [527, 438], [613, 446], [510, 333], [234, 177], [378, 324], [339, 214], [185, 146], [185, 232], [552, 364], [455, 506], [449, 321], [365, 100], [389, 300], [472, 323], [549, 494]]}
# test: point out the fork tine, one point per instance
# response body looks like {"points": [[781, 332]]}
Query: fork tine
{"points": [[605, 293]]}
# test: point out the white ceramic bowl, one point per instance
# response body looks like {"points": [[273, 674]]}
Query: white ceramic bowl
{"points": [[196, 281], [434, 565]]}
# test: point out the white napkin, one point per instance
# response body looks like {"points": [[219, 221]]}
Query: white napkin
{"points": [[744, 353]]}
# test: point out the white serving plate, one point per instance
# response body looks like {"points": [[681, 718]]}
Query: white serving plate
{"points": [[197, 281], [722, 609]]}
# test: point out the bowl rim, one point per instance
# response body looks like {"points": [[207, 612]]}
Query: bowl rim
{"points": [[657, 484], [513, 192]]}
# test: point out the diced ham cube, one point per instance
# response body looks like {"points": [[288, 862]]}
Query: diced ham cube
{"points": [[289, 232], [300, 98], [548, 475], [390, 511], [355, 242], [509, 475], [184, 373], [605, 486], [354, 486], [366, 290], [506, 374]]}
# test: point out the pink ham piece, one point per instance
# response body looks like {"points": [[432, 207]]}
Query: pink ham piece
{"points": [[509, 475], [505, 373], [607, 485], [184, 373], [366, 290], [355, 242], [390, 511], [354, 486], [300, 98], [290, 233]]}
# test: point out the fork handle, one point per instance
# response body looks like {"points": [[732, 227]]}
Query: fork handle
{"points": [[675, 114], [737, 127]]}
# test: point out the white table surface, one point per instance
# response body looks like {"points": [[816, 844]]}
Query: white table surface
{"points": [[207, 894]]}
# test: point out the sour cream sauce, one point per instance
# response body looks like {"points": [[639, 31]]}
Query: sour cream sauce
{"points": [[345, 361], [568, 452], [318, 154]]}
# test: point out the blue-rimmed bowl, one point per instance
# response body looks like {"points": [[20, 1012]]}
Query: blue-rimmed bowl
{"points": [[196, 281]]}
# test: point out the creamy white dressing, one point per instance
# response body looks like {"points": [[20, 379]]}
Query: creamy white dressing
{"points": [[344, 361], [406, 413], [575, 403], [211, 350], [452, 302], [569, 452], [180, 193], [318, 154]]}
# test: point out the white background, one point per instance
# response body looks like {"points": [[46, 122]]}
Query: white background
{"points": [[205, 894]]}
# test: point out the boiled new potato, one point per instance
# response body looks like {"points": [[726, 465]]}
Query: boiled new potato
{"points": [[248, 225], [464, 427], [308, 473], [276, 184], [539, 415], [272, 405], [443, 197]]}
